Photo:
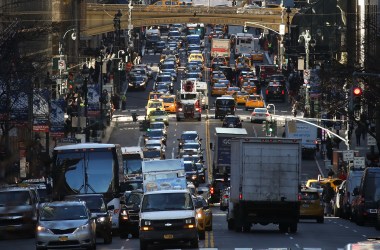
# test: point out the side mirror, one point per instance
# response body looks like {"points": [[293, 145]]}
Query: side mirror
{"points": [[111, 207]]}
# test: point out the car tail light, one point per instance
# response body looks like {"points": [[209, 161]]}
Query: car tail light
{"points": [[266, 114], [225, 196], [299, 197], [253, 114], [240, 196], [283, 92], [211, 190], [266, 92]]}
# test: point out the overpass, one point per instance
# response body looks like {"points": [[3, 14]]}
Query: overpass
{"points": [[98, 18]]}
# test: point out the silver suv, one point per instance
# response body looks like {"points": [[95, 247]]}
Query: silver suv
{"points": [[18, 209]]}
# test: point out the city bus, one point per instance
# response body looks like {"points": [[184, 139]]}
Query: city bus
{"points": [[89, 168], [196, 29]]}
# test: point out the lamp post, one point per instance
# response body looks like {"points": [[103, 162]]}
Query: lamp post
{"points": [[61, 61], [308, 41], [274, 107], [117, 26], [85, 74]]}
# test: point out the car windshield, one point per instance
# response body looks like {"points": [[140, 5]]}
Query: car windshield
{"points": [[154, 133], [162, 86], [168, 99], [220, 85], [191, 158], [163, 78], [157, 113], [189, 137], [157, 125], [134, 199], [167, 66], [167, 202], [224, 102], [254, 98], [15, 198], [309, 196], [191, 146], [152, 154], [260, 110], [231, 119], [94, 203], [190, 167], [155, 105], [52, 213]]}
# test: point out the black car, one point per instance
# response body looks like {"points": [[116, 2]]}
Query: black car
{"points": [[275, 91], [97, 206], [137, 82], [129, 215], [216, 189], [159, 46], [192, 173], [232, 121]]}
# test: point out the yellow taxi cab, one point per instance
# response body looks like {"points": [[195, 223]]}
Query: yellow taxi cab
{"points": [[170, 103], [216, 76], [232, 90], [249, 87], [258, 56], [254, 101], [204, 215], [154, 95], [311, 205], [196, 57], [241, 97], [319, 182], [154, 104], [218, 89]]}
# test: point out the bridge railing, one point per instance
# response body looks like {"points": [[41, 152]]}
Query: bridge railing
{"points": [[180, 9]]}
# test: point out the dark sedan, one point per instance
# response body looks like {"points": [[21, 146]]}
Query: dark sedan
{"points": [[232, 121]]}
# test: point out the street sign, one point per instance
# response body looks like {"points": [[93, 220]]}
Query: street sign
{"points": [[371, 141], [359, 162], [348, 155], [306, 74], [61, 65]]}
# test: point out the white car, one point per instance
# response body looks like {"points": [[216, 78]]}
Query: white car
{"points": [[260, 115], [248, 8]]}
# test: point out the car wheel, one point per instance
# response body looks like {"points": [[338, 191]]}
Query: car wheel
{"points": [[143, 245], [321, 219], [194, 243], [202, 235], [123, 235], [246, 227], [108, 238], [178, 119], [230, 224], [293, 227], [283, 227]]}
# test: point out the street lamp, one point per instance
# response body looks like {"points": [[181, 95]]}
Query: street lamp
{"points": [[117, 26], [306, 37], [85, 74], [61, 61]]}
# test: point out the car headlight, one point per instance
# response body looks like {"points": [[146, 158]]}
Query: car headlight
{"points": [[199, 215], [82, 228], [193, 177], [101, 219], [146, 223], [41, 229]]}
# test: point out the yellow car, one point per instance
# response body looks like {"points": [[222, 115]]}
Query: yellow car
{"points": [[254, 101], [170, 103], [204, 216], [318, 183], [241, 97], [154, 104], [218, 89], [311, 205], [232, 90], [196, 57], [249, 87]]}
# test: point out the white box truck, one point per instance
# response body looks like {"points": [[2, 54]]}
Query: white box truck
{"points": [[221, 48], [307, 133], [265, 183]]}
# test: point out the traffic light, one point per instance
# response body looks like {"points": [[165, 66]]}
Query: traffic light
{"points": [[265, 126], [357, 98]]}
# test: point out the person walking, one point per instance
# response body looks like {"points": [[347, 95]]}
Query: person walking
{"points": [[358, 133], [327, 197]]}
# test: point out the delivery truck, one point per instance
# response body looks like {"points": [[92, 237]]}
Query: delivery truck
{"points": [[220, 48], [265, 183], [307, 133], [222, 149]]}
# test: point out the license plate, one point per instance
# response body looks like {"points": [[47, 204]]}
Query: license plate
{"points": [[63, 238], [168, 236], [305, 205], [373, 211]]}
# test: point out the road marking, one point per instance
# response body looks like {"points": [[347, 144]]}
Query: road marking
{"points": [[212, 244]]}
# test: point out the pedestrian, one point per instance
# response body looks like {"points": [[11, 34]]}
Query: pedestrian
{"points": [[330, 174], [358, 133], [327, 197]]}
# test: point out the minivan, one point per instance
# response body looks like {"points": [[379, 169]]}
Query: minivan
{"points": [[365, 201], [352, 181]]}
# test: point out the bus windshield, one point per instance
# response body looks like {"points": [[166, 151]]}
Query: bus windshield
{"points": [[85, 172]]}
